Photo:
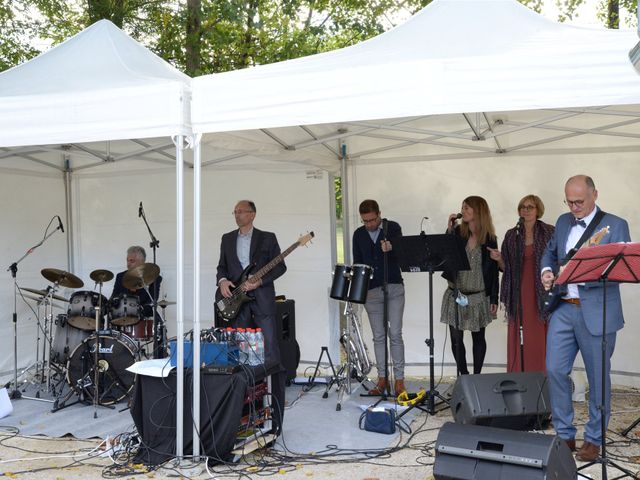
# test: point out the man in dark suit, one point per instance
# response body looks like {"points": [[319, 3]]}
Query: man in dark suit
{"points": [[576, 324], [238, 250]]}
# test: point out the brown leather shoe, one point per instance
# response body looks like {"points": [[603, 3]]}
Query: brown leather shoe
{"points": [[398, 387], [571, 443], [380, 387], [588, 452]]}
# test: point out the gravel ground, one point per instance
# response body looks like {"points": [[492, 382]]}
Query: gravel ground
{"points": [[412, 458]]}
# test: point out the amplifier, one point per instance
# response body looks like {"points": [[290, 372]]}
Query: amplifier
{"points": [[211, 353]]}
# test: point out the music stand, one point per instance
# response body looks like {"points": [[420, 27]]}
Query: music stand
{"points": [[613, 262], [431, 253]]}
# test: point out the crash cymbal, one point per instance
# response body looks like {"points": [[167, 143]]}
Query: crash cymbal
{"points": [[61, 277], [39, 299], [140, 276], [43, 293], [101, 276], [165, 303]]}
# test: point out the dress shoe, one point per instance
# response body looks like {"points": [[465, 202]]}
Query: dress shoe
{"points": [[571, 443], [588, 452], [398, 387], [380, 387]]}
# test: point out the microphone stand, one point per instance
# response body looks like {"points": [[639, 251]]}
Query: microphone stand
{"points": [[516, 295], [13, 268], [158, 326], [385, 311]]}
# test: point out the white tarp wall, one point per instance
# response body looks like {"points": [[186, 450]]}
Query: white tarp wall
{"points": [[29, 200], [409, 191]]}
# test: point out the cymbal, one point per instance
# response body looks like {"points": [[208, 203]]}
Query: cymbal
{"points": [[61, 277], [101, 276], [140, 276], [39, 299], [43, 293], [165, 303]]}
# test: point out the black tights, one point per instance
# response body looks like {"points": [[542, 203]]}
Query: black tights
{"points": [[479, 349]]}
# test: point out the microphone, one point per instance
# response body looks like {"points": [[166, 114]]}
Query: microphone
{"points": [[520, 223], [385, 224], [60, 224], [140, 210], [453, 220]]}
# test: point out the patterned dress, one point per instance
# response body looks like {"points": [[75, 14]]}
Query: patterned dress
{"points": [[477, 314]]}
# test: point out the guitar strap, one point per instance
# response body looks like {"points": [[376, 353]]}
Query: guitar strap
{"points": [[586, 235]]}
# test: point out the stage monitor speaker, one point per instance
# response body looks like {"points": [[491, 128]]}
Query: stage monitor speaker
{"points": [[286, 332], [472, 452], [517, 401]]}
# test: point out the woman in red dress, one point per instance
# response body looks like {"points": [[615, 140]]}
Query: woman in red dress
{"points": [[521, 251]]}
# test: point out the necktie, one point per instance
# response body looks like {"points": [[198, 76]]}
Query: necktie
{"points": [[575, 222]]}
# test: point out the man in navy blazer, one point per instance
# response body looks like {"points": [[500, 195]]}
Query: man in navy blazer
{"points": [[576, 324], [249, 246]]}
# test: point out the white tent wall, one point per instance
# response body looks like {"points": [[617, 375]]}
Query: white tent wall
{"points": [[29, 201], [412, 190], [289, 204]]}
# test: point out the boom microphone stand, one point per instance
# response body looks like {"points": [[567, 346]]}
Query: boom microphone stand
{"points": [[159, 337], [517, 289], [13, 268]]}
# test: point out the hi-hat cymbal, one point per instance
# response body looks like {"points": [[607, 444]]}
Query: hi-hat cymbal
{"points": [[101, 276], [165, 303], [61, 277], [140, 276], [39, 299], [43, 293]]}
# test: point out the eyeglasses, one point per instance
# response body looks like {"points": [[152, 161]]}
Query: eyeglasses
{"points": [[370, 220], [528, 208], [574, 203], [240, 212]]}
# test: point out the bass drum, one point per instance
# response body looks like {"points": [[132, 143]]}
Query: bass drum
{"points": [[115, 354]]}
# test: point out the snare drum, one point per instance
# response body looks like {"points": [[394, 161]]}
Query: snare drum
{"points": [[125, 309], [82, 309], [65, 339], [340, 283], [143, 330], [360, 276]]}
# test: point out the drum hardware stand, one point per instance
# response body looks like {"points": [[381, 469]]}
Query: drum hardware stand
{"points": [[13, 268]]}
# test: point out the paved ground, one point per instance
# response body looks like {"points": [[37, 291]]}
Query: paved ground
{"points": [[412, 458]]}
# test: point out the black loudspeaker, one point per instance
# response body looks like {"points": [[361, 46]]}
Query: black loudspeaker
{"points": [[518, 401], [472, 452], [286, 332]]}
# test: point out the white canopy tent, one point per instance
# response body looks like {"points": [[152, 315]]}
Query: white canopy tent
{"points": [[99, 86], [462, 80]]}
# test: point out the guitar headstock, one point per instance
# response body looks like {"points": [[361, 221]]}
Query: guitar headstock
{"points": [[304, 239], [597, 237]]}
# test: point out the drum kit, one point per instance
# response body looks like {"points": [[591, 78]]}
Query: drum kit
{"points": [[90, 346]]}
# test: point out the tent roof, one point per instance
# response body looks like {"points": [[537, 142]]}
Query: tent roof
{"points": [[454, 56], [98, 85]]}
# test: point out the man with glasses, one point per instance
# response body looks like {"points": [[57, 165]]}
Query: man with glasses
{"points": [[576, 324], [249, 246], [370, 242]]}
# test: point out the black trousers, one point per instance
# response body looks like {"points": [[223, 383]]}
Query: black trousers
{"points": [[459, 353]]}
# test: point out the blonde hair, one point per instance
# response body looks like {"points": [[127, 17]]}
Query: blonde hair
{"points": [[537, 201], [482, 216]]}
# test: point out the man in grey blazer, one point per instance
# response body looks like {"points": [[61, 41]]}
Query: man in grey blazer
{"points": [[576, 324]]}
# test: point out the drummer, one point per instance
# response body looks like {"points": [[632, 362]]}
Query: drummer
{"points": [[136, 256]]}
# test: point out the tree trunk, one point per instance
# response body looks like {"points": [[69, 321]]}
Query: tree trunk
{"points": [[193, 41], [245, 57], [613, 14]]}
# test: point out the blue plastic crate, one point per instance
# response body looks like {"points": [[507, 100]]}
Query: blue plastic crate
{"points": [[221, 353]]}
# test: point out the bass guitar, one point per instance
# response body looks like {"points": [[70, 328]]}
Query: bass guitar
{"points": [[229, 307], [551, 299]]}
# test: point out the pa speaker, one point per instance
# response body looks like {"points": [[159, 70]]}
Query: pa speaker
{"points": [[517, 401], [286, 334], [472, 452]]}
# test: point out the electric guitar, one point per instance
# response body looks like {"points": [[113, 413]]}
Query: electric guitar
{"points": [[228, 308], [551, 298]]}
